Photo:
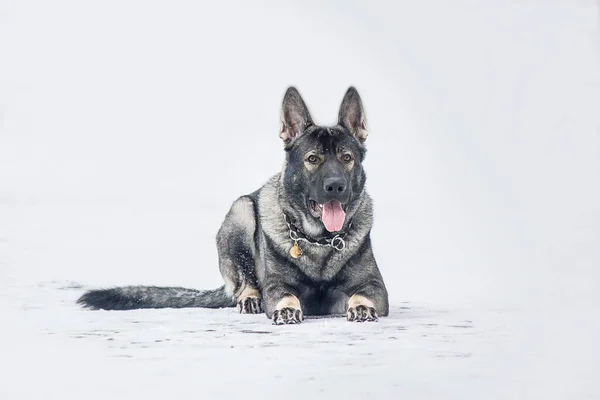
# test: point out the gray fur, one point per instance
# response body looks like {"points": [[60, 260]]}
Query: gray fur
{"points": [[253, 243], [137, 297]]}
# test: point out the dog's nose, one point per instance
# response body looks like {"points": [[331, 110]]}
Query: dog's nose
{"points": [[335, 186]]}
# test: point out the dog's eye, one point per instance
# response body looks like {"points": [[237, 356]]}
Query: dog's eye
{"points": [[312, 159], [347, 157]]}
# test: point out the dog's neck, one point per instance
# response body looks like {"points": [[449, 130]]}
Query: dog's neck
{"points": [[323, 240]]}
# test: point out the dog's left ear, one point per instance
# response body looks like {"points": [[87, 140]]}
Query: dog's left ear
{"points": [[352, 115]]}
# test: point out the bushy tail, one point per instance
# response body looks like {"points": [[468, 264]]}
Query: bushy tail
{"points": [[136, 297]]}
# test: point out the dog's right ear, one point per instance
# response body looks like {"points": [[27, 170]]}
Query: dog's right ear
{"points": [[294, 116]]}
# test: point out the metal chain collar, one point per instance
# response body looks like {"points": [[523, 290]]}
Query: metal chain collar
{"points": [[337, 242]]}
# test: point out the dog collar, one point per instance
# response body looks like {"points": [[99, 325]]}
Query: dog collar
{"points": [[337, 242]]}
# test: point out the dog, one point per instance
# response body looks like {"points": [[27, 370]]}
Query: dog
{"points": [[298, 246]]}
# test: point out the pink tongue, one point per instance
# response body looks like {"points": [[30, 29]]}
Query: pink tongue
{"points": [[333, 216]]}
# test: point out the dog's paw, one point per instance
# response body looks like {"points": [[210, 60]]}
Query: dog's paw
{"points": [[361, 313], [287, 315], [250, 305]]}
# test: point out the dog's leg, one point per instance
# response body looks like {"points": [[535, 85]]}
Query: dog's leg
{"points": [[236, 249], [368, 301], [287, 311], [281, 300], [363, 284]]}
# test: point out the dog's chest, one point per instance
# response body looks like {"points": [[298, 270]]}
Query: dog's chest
{"points": [[319, 263]]}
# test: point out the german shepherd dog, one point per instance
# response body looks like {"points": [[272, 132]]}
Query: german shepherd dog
{"points": [[300, 245]]}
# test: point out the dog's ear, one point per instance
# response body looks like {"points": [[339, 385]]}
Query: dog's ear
{"points": [[294, 116], [352, 115]]}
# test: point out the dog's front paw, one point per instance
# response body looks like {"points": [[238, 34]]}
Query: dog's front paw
{"points": [[287, 315], [287, 311], [361, 313], [361, 309], [250, 305]]}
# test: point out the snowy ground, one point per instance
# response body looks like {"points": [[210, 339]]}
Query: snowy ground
{"points": [[127, 129], [419, 351]]}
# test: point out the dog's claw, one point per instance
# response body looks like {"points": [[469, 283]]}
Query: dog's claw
{"points": [[287, 315], [361, 314], [250, 305]]}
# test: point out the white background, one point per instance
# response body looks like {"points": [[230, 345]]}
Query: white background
{"points": [[128, 128]]}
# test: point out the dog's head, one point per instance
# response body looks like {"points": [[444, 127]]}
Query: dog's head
{"points": [[323, 178]]}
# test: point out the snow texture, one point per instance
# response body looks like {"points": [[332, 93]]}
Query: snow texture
{"points": [[128, 128]]}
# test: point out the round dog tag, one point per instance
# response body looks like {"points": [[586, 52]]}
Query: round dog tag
{"points": [[296, 251]]}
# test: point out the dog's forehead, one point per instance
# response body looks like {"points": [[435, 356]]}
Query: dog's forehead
{"points": [[326, 139]]}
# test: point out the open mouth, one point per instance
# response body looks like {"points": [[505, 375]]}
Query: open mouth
{"points": [[332, 214]]}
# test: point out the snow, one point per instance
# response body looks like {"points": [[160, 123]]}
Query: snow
{"points": [[127, 129]]}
